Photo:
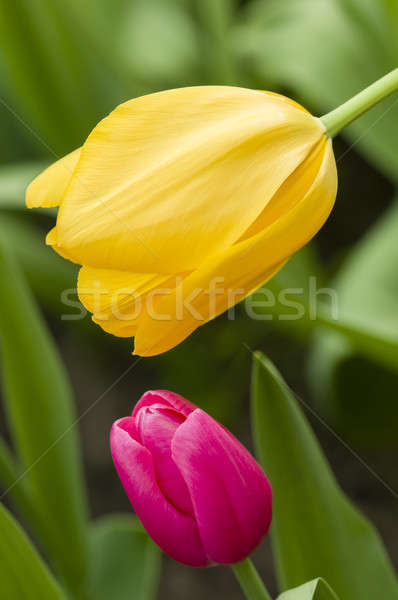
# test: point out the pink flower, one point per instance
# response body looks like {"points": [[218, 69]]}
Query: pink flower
{"points": [[198, 492]]}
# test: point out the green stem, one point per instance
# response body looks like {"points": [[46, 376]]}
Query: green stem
{"points": [[250, 580], [343, 115]]}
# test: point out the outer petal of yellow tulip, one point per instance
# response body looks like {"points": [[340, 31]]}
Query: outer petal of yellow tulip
{"points": [[306, 199], [170, 179], [49, 187], [51, 240], [118, 299]]}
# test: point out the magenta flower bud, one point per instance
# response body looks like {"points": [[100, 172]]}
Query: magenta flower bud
{"points": [[198, 492]]}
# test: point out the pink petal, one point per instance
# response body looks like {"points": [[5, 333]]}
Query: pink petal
{"points": [[167, 399], [232, 497], [176, 533], [156, 426]]}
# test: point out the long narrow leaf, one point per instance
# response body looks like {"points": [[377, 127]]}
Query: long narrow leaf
{"points": [[16, 487], [41, 418], [57, 71], [316, 530], [23, 575]]}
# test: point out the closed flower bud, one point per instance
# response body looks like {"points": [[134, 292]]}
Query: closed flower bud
{"points": [[181, 203], [198, 492]]}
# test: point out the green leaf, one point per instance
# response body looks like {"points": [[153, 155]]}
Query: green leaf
{"points": [[327, 51], [15, 141], [367, 283], [8, 469], [23, 574], [125, 561], [19, 491], [63, 88], [149, 44], [313, 590], [316, 529], [46, 272], [14, 179], [359, 361], [220, 60], [41, 417]]}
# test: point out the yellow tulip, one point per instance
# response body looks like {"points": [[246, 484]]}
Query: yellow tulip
{"points": [[181, 203]]}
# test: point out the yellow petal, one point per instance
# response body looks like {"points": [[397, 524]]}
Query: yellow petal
{"points": [[285, 99], [307, 196], [51, 240], [49, 187], [170, 179], [118, 299]]}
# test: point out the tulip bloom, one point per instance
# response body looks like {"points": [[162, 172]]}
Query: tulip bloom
{"points": [[198, 492], [181, 203]]}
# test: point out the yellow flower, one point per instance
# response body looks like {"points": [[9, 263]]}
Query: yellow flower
{"points": [[181, 203]]}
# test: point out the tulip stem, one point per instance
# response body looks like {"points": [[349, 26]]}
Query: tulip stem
{"points": [[250, 581], [343, 115]]}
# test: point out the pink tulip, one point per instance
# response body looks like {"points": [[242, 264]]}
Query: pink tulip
{"points": [[198, 492]]}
